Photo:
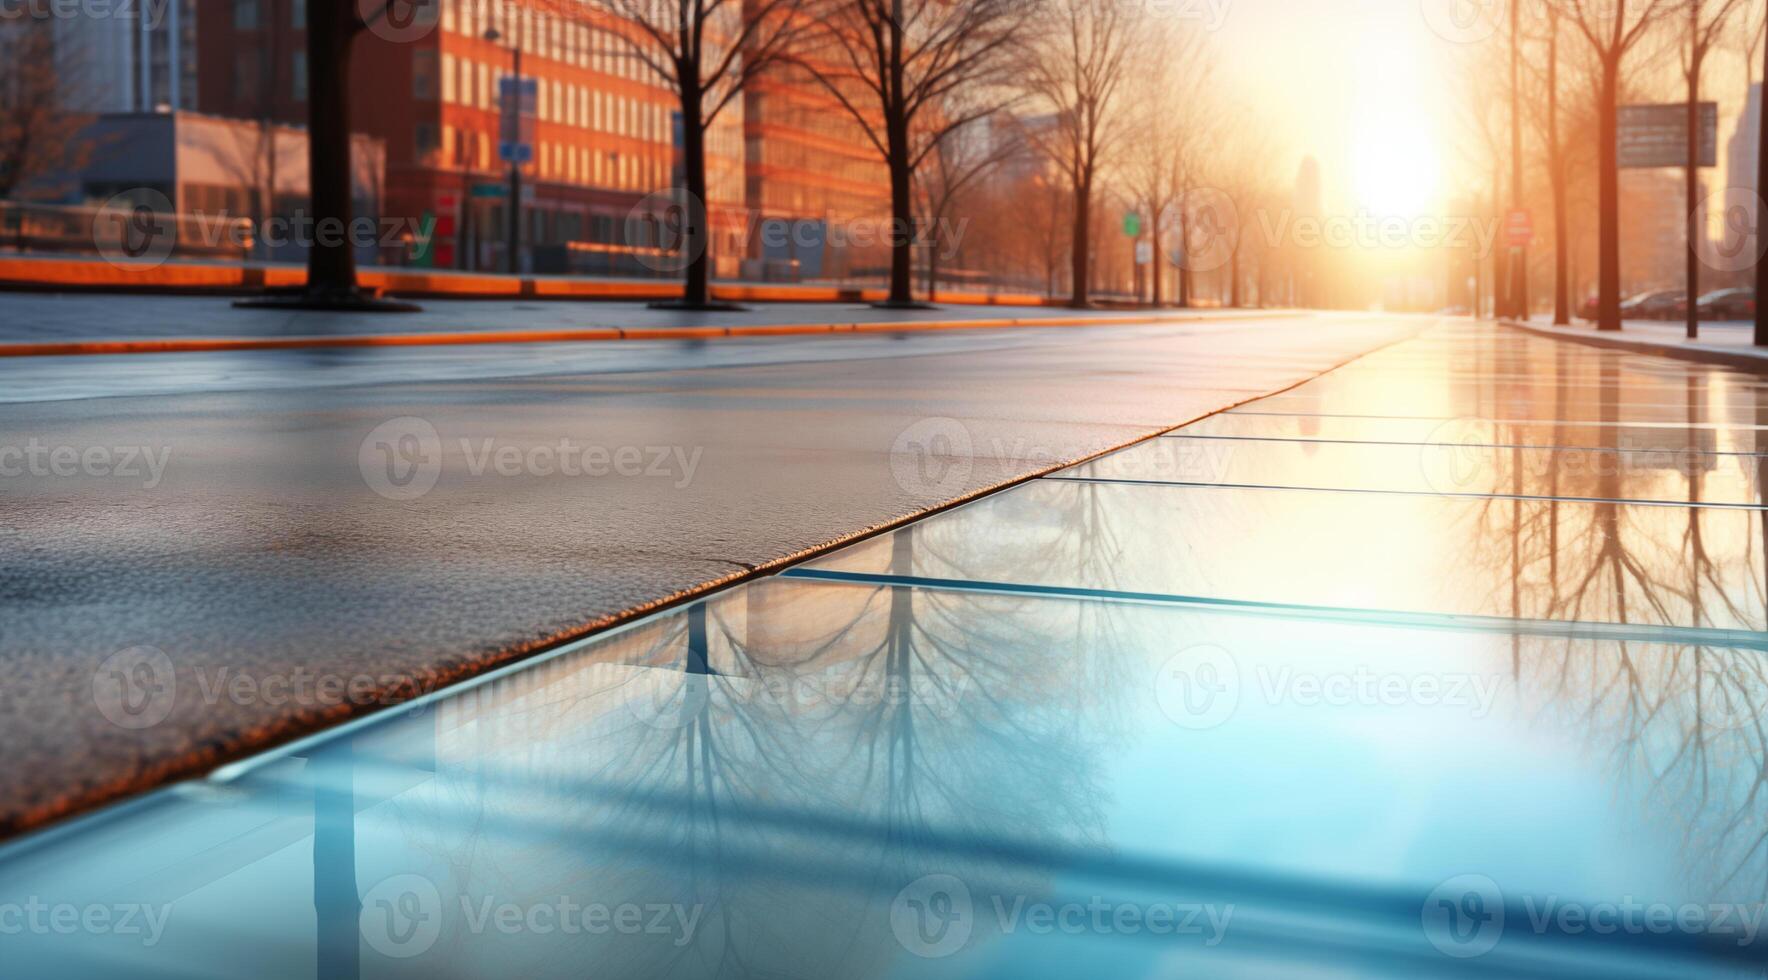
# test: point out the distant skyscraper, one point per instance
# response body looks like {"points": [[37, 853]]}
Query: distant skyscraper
{"points": [[1740, 153], [1307, 188], [133, 58], [1306, 264]]}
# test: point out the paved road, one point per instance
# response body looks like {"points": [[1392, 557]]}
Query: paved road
{"points": [[96, 316], [208, 554]]}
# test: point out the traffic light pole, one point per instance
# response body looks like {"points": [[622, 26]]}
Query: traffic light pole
{"points": [[514, 246]]}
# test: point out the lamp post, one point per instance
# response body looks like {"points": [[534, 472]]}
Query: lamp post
{"points": [[514, 228]]}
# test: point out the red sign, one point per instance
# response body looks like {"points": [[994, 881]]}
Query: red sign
{"points": [[1519, 228]]}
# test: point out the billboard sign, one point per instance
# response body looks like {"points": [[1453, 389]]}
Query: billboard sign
{"points": [[1657, 135], [517, 100]]}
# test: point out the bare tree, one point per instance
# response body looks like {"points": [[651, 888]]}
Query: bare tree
{"points": [[959, 160], [911, 74], [1077, 65], [36, 136], [1705, 20], [706, 51], [1611, 32], [1174, 71]]}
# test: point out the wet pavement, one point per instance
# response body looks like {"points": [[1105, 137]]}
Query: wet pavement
{"points": [[1245, 699], [274, 541]]}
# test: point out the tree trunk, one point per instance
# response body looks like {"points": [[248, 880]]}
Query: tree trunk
{"points": [[902, 223], [932, 261], [1691, 185], [1562, 314], [1154, 258], [331, 31], [1185, 283], [1234, 277], [1608, 205], [1083, 227], [697, 232]]}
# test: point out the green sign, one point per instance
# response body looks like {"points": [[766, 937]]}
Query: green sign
{"points": [[490, 190], [1132, 224]]}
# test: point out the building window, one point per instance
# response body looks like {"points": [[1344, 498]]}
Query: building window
{"points": [[424, 141], [448, 92], [298, 14], [298, 76], [245, 15], [423, 74]]}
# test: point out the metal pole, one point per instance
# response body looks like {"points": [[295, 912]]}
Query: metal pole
{"points": [[515, 206]]}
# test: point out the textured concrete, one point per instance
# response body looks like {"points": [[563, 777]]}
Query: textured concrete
{"points": [[259, 586]]}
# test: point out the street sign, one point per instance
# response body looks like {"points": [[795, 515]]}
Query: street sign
{"points": [[1132, 224], [1657, 135], [1144, 253], [517, 100], [1519, 229], [490, 190]]}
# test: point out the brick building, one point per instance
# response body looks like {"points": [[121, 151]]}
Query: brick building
{"points": [[604, 138]]}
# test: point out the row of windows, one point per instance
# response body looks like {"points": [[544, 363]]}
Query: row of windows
{"points": [[475, 83], [539, 34]]}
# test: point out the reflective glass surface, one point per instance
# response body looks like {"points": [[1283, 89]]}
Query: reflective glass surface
{"points": [[836, 780]]}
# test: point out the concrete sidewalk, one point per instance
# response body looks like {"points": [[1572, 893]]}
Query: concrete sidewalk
{"points": [[1723, 342]]}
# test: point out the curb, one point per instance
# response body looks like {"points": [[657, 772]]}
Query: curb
{"points": [[1703, 355], [189, 345], [66, 274]]}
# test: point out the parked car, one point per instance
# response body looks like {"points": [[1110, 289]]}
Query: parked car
{"points": [[1657, 304], [1587, 309], [1727, 304]]}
